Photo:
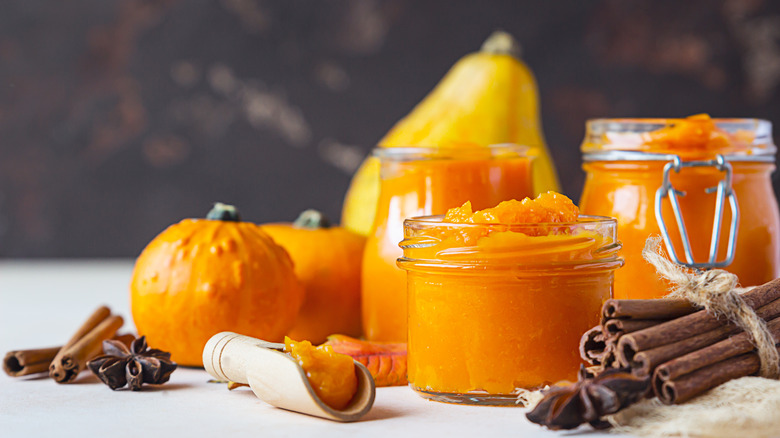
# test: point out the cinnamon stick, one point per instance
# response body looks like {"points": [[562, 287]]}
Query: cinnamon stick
{"points": [[592, 345], [642, 361], [666, 308], [691, 325], [619, 327], [598, 345], [84, 345], [20, 363], [608, 357], [690, 385], [725, 349], [25, 362]]}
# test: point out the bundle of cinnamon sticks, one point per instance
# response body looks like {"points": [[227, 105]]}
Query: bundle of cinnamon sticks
{"points": [[684, 349], [66, 362]]}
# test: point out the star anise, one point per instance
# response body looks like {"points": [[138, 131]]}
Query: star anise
{"points": [[132, 366], [588, 400]]}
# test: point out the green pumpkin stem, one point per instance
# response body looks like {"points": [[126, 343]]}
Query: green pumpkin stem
{"points": [[311, 219], [223, 212]]}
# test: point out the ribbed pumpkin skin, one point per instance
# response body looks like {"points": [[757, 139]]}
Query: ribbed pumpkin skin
{"points": [[486, 98], [200, 277], [327, 262]]}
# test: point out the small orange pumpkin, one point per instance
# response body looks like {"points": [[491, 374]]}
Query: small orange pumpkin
{"points": [[327, 262], [200, 277]]}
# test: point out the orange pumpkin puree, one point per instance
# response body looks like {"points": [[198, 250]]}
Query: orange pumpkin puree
{"points": [[548, 207], [692, 136], [626, 190], [331, 375], [424, 187], [499, 298]]}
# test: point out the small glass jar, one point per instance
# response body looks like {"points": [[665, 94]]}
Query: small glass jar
{"points": [[702, 184], [494, 308], [424, 181]]}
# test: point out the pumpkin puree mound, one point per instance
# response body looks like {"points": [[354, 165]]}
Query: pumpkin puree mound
{"points": [[331, 375], [550, 207]]}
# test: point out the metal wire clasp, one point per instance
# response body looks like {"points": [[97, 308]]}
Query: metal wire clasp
{"points": [[723, 190]]}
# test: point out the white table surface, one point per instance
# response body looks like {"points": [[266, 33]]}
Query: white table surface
{"points": [[43, 302]]}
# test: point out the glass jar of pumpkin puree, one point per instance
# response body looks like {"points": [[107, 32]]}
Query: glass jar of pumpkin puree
{"points": [[425, 181], [702, 184], [499, 306]]}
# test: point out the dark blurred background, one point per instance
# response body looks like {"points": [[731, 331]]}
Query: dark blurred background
{"points": [[120, 117]]}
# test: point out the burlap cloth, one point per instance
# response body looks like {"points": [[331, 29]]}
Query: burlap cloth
{"points": [[748, 407]]}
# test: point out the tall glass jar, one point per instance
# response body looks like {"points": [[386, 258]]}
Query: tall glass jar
{"points": [[424, 181], [702, 184], [496, 307]]}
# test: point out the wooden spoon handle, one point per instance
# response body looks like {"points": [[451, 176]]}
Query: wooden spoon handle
{"points": [[229, 356]]}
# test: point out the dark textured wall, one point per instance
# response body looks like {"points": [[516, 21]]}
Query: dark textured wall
{"points": [[119, 117]]}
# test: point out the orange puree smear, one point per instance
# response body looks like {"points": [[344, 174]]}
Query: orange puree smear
{"points": [[331, 375]]}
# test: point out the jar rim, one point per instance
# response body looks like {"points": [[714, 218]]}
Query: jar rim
{"points": [[408, 153], [630, 134], [654, 123], [456, 259], [437, 220]]}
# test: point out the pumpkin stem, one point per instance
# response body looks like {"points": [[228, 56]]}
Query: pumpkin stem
{"points": [[311, 219], [501, 43], [223, 212]]}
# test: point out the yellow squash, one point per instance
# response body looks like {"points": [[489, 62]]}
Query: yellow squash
{"points": [[488, 97]]}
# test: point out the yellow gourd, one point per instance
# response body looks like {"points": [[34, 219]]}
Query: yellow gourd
{"points": [[488, 97]]}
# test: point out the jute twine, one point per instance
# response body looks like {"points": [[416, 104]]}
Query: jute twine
{"points": [[716, 290]]}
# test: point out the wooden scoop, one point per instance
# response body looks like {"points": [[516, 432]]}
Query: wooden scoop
{"points": [[277, 378]]}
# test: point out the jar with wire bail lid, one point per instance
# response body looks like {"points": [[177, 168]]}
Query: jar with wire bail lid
{"points": [[702, 184]]}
